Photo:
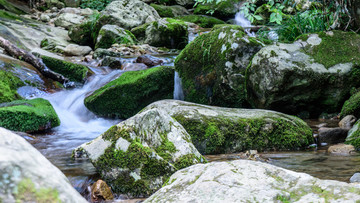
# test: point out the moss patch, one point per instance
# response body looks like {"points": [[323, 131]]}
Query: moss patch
{"points": [[8, 86], [114, 35], [351, 106], [132, 91], [225, 9], [201, 20], [28, 115], [163, 11], [26, 192], [75, 72], [4, 4]]}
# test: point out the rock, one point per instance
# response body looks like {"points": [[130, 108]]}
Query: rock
{"points": [[170, 11], [341, 149], [314, 74], [45, 18], [149, 60], [72, 3], [52, 44], [201, 20], [75, 72], [250, 181], [224, 10], [9, 83], [76, 50], [351, 106], [353, 136], [101, 191], [112, 34], [28, 115], [54, 3], [67, 20], [347, 122], [212, 67], [131, 92], [332, 135], [127, 14], [134, 50], [167, 32], [186, 3], [134, 67], [111, 62], [84, 33], [27, 176], [355, 178], [101, 53], [216, 130], [138, 155]]}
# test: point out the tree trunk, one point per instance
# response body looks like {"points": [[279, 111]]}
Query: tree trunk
{"points": [[33, 60]]}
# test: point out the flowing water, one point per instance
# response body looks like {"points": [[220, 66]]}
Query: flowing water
{"points": [[245, 23]]}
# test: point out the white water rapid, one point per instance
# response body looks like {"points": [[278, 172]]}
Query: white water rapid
{"points": [[245, 23], [178, 90]]}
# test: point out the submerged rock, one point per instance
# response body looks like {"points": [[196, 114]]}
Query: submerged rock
{"points": [[27, 176], [113, 34], [250, 181], [212, 67], [138, 155], [132, 91], [216, 130], [28, 115], [314, 74]]}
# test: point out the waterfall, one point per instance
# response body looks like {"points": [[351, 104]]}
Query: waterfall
{"points": [[245, 23], [178, 90]]}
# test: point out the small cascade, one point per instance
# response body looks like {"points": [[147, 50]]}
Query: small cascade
{"points": [[178, 90], [245, 23]]}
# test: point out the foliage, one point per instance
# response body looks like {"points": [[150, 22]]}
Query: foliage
{"points": [[95, 4]]}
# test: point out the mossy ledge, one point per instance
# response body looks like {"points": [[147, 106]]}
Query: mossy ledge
{"points": [[28, 115]]}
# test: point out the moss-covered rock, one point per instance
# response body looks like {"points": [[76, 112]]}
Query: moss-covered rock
{"points": [[353, 137], [132, 91], [86, 32], [225, 9], [165, 32], [216, 130], [112, 34], [138, 155], [28, 115], [8, 86], [212, 67], [314, 76], [201, 20], [10, 6], [170, 11], [351, 106], [75, 72]]}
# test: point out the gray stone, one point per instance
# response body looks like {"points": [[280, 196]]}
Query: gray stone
{"points": [[111, 62], [112, 34], [72, 3], [355, 178], [134, 66], [22, 165], [76, 50], [44, 17], [67, 20], [332, 135], [347, 122], [250, 181]]}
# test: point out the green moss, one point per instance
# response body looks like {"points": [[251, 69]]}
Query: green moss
{"points": [[201, 20], [341, 47], [75, 72], [351, 106], [86, 33], [166, 149], [4, 4], [223, 9], [188, 160], [108, 38], [139, 32], [8, 86], [26, 192], [132, 91], [163, 11], [28, 115], [221, 135]]}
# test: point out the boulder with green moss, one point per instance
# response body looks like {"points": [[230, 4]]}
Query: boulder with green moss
{"points": [[313, 75], [11, 6], [86, 32], [138, 155], [170, 11], [225, 9], [113, 34], [351, 106], [250, 181], [75, 72], [28, 115], [217, 130], [8, 86], [27, 176], [212, 67], [353, 136], [201, 20], [165, 32], [132, 91]]}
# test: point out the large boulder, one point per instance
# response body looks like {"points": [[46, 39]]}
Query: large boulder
{"points": [[170, 11], [138, 155], [27, 176], [225, 9], [28, 115], [216, 130], [132, 91], [314, 74], [212, 67], [67, 20], [251, 181], [201, 20], [127, 14], [353, 136], [112, 34], [351, 106], [165, 32]]}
